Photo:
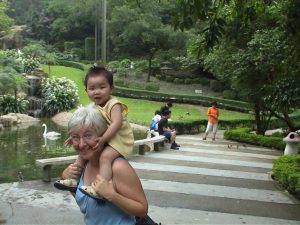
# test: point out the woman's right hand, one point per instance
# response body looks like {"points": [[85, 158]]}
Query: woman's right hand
{"points": [[73, 171]]}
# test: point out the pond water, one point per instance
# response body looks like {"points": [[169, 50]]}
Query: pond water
{"points": [[21, 146]]}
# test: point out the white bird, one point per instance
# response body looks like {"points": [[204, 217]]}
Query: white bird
{"points": [[49, 134]]}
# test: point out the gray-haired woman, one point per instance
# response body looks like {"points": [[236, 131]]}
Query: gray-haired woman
{"points": [[124, 194]]}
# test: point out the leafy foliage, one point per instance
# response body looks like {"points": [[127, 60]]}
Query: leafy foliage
{"points": [[5, 20], [61, 94], [10, 104], [286, 171], [30, 63]]}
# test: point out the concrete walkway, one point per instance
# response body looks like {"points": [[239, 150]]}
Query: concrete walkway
{"points": [[205, 182]]}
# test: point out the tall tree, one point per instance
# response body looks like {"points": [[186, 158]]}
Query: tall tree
{"points": [[253, 45], [5, 20]]}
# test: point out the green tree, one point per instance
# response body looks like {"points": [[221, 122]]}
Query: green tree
{"points": [[50, 59], [253, 46], [140, 33], [5, 20]]}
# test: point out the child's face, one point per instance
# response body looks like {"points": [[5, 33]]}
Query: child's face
{"points": [[98, 89]]}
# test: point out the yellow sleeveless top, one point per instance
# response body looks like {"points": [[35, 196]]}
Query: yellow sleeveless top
{"points": [[123, 139]]}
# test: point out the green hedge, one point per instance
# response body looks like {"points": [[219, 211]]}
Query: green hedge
{"points": [[71, 64], [286, 170], [244, 135], [194, 127], [186, 99]]}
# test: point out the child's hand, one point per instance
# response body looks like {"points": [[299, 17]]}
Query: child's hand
{"points": [[103, 187], [100, 144], [68, 142]]}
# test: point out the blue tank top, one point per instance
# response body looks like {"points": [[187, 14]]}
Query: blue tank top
{"points": [[98, 212]]}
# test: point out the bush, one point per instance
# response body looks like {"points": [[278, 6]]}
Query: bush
{"points": [[188, 81], [158, 77], [78, 52], [170, 78], [229, 94], [68, 45], [243, 135], [10, 104], [119, 82], [60, 94], [286, 170], [150, 86], [178, 81], [71, 64]]}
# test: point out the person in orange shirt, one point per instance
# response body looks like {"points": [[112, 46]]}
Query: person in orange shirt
{"points": [[212, 124]]}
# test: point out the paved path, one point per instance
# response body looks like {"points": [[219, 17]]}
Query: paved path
{"points": [[205, 182]]}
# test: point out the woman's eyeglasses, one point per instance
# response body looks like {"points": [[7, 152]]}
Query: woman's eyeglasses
{"points": [[85, 138]]}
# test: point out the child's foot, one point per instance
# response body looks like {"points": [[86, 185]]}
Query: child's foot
{"points": [[66, 185], [89, 191]]}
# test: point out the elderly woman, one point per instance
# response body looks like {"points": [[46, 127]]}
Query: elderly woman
{"points": [[124, 194]]}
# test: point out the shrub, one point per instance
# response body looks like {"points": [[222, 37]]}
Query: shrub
{"points": [[229, 94], [10, 104], [243, 135], [72, 64], [68, 45], [119, 82], [170, 78], [78, 52], [141, 65], [29, 62], [150, 86], [60, 94], [286, 170], [158, 76], [177, 81], [188, 81]]}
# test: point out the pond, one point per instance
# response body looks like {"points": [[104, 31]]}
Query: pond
{"points": [[21, 146]]}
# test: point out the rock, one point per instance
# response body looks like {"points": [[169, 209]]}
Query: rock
{"points": [[15, 119], [62, 118]]}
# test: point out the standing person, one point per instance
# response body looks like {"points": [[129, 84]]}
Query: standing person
{"points": [[117, 139], [124, 194], [165, 130], [166, 106], [212, 123]]}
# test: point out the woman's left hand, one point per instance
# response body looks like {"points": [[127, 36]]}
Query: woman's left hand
{"points": [[103, 187]]}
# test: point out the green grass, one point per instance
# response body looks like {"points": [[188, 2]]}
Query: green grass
{"points": [[142, 111]]}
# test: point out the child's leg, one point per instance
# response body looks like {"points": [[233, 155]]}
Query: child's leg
{"points": [[105, 161]]}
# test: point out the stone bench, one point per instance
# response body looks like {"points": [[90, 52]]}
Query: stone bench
{"points": [[152, 140]]}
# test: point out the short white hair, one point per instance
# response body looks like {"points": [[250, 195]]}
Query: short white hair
{"points": [[88, 117]]}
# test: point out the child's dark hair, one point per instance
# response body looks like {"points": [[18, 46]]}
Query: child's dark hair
{"points": [[157, 112], [169, 104], [96, 71], [166, 112]]}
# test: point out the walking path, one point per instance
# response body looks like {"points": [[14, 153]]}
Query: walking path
{"points": [[205, 182]]}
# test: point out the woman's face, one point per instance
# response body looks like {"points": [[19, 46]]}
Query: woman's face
{"points": [[83, 141]]}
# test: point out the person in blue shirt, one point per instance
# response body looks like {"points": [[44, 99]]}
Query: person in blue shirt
{"points": [[123, 194]]}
